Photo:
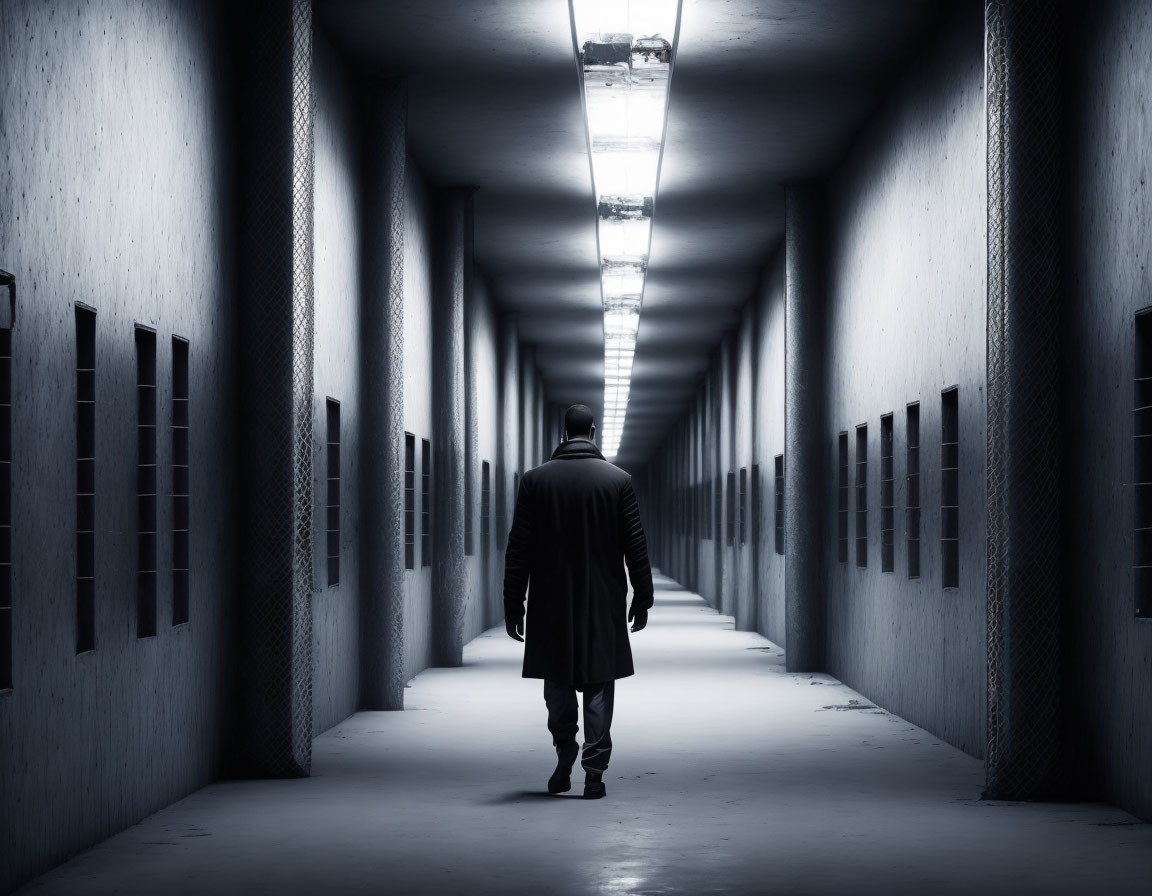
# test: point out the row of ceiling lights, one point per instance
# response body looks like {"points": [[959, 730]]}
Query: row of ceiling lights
{"points": [[626, 61]]}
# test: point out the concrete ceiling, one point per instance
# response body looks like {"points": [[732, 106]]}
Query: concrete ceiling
{"points": [[763, 93]]}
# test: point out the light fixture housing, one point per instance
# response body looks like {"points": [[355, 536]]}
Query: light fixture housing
{"points": [[625, 49]]}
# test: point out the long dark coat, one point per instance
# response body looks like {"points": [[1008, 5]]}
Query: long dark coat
{"points": [[576, 523]]}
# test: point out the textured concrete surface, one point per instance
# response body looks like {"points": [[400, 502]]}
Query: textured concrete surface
{"points": [[906, 319], [1108, 651], [729, 776], [117, 174]]}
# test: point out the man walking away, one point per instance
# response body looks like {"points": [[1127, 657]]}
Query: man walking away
{"points": [[576, 524]]}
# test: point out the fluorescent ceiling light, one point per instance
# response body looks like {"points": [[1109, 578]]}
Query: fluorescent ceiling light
{"points": [[625, 50]]}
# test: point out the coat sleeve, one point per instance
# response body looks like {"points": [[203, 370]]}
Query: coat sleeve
{"points": [[517, 557], [635, 549]]}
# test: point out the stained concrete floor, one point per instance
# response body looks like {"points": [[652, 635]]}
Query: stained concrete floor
{"points": [[729, 776]]}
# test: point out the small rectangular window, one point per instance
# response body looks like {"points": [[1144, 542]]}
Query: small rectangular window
{"points": [[145, 482], [469, 523], [180, 470], [842, 499], [485, 507], [85, 479], [501, 509], [717, 499], [409, 501], [425, 502], [730, 517], [887, 497], [332, 408], [5, 508], [755, 505], [1142, 458], [779, 508], [950, 488], [912, 491], [862, 494], [743, 505]]}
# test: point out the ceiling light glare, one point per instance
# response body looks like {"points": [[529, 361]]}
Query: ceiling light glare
{"points": [[625, 51]]}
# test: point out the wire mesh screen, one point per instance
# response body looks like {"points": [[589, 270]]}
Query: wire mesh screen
{"points": [[1023, 51], [278, 391]]}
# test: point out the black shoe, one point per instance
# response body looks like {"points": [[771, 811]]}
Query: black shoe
{"points": [[561, 780], [593, 786]]}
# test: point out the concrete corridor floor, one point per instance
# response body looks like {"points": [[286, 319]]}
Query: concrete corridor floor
{"points": [[729, 776]]}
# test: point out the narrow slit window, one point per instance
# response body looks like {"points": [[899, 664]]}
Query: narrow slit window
{"points": [[743, 505], [409, 501], [950, 488], [731, 515], [842, 493], [425, 502], [485, 507], [862, 494], [887, 497], [85, 479], [1142, 458], [756, 505], [501, 509], [702, 511], [332, 408], [779, 507], [912, 491], [180, 477], [717, 499], [706, 510], [5, 508], [145, 482], [469, 523]]}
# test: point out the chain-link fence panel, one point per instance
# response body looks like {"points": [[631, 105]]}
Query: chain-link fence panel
{"points": [[1023, 59]]}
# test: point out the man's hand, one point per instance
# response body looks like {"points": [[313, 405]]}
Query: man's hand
{"points": [[638, 618], [515, 628]]}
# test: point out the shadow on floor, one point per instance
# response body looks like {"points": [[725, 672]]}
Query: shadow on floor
{"points": [[519, 797]]}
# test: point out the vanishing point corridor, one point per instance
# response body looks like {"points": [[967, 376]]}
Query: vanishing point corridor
{"points": [[343, 342]]}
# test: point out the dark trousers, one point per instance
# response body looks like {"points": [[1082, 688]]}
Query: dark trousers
{"points": [[563, 713]]}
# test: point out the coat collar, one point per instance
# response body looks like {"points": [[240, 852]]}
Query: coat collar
{"points": [[577, 448]]}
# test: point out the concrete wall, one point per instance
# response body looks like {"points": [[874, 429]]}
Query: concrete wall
{"points": [[419, 231], [906, 319], [335, 608], [1109, 653], [116, 143]]}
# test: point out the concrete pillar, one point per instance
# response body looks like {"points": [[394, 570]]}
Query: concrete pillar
{"points": [[382, 373], [449, 574], [276, 392], [807, 466], [1023, 40]]}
